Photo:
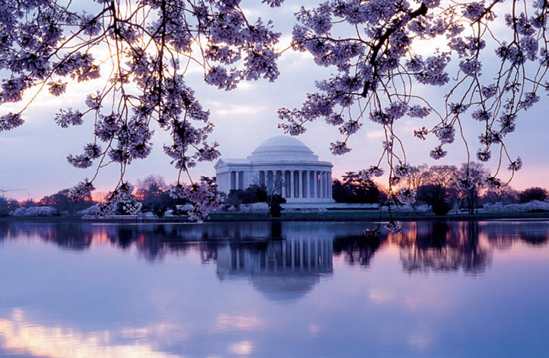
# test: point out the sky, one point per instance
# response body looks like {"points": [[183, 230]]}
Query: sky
{"points": [[33, 157]]}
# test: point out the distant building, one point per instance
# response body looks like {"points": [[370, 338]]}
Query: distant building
{"points": [[285, 166]]}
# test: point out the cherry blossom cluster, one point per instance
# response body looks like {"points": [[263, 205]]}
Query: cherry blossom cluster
{"points": [[492, 182], [202, 197], [69, 117], [10, 121], [120, 201], [370, 173], [407, 196], [81, 190], [465, 184], [143, 49]]}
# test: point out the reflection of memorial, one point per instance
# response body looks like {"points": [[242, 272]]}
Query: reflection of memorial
{"points": [[281, 270], [293, 255]]}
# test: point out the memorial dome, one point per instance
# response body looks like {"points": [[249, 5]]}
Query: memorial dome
{"points": [[283, 148], [285, 286]]}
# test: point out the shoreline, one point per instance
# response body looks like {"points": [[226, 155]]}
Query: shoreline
{"points": [[354, 216]]}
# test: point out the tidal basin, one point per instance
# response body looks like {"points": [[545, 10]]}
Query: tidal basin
{"points": [[274, 289]]}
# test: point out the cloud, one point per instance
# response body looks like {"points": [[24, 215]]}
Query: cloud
{"points": [[379, 296], [21, 336], [231, 323], [314, 330], [240, 348], [419, 343], [239, 109]]}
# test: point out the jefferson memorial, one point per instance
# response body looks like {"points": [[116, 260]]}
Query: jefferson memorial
{"points": [[285, 166]]}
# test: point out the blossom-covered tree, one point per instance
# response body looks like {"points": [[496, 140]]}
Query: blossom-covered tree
{"points": [[143, 49]]}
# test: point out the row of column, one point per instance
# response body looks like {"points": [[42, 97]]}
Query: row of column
{"points": [[236, 179], [297, 183], [288, 183]]}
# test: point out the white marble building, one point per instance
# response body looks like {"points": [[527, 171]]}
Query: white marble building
{"points": [[285, 166]]}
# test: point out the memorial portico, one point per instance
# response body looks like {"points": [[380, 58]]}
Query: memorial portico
{"points": [[285, 166]]}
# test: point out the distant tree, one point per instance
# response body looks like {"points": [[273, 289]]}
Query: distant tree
{"points": [[535, 193], [160, 204], [236, 197], [431, 194], [504, 194], [441, 175], [258, 193], [62, 201], [340, 193], [383, 194], [7, 205], [355, 189], [154, 195], [150, 187], [253, 194], [29, 203], [274, 201], [441, 208], [470, 183], [438, 184], [417, 176], [261, 193]]}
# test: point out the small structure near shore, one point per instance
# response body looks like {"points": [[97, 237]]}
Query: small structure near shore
{"points": [[285, 166]]}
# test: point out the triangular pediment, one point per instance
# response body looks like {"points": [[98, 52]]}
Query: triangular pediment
{"points": [[220, 163]]}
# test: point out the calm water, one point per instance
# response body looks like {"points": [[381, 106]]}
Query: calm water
{"points": [[274, 290]]}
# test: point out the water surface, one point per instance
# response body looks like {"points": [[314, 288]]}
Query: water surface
{"points": [[459, 289]]}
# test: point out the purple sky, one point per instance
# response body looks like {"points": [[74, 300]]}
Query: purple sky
{"points": [[33, 156]]}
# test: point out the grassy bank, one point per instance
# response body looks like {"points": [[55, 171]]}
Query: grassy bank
{"points": [[375, 216], [366, 215]]}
